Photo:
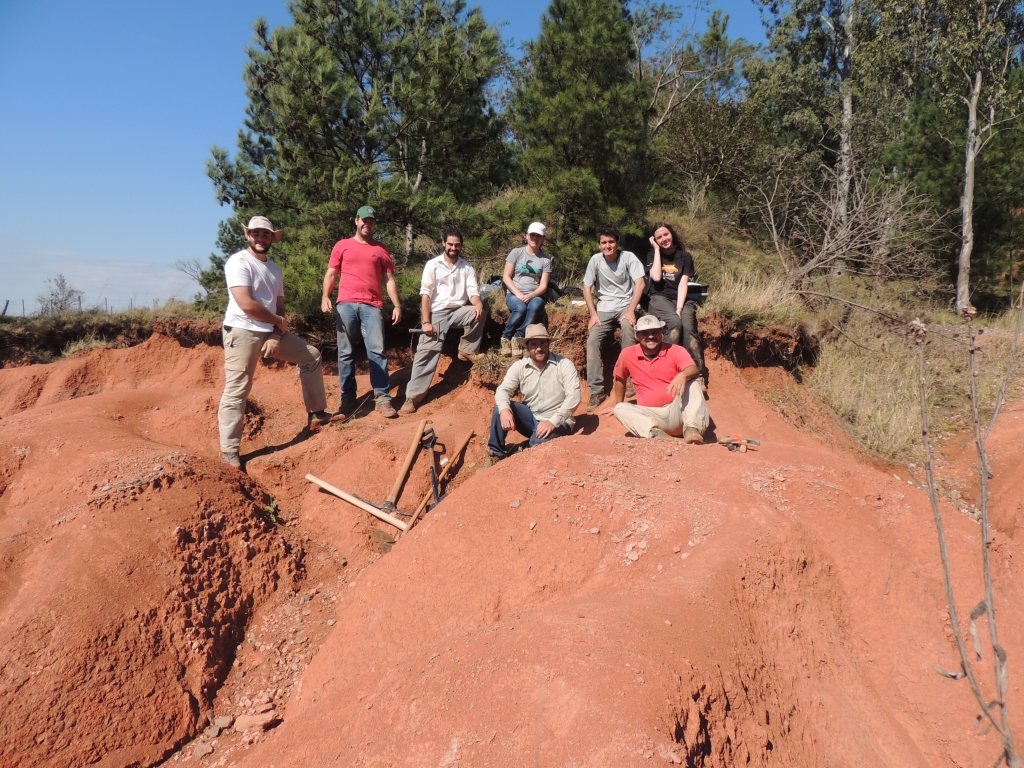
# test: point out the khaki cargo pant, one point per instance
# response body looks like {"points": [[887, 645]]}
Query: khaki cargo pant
{"points": [[242, 350], [428, 351], [688, 410]]}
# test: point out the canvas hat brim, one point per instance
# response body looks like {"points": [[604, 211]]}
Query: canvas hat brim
{"points": [[277, 233]]}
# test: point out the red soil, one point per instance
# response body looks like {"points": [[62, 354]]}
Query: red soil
{"points": [[599, 600]]}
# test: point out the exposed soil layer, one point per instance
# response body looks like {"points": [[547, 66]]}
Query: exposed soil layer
{"points": [[598, 600]]}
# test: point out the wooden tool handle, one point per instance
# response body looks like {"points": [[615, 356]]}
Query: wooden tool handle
{"points": [[444, 474], [409, 458], [358, 503]]}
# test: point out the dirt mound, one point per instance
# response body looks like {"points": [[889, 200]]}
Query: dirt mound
{"points": [[599, 600], [128, 567], [603, 600], [159, 362]]}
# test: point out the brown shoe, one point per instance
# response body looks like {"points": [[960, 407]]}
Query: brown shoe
{"points": [[469, 357], [692, 436], [655, 432], [231, 458], [387, 410], [320, 418], [595, 402], [409, 406], [518, 346], [506, 347]]}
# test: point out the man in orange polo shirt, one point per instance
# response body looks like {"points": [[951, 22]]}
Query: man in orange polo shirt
{"points": [[668, 393]]}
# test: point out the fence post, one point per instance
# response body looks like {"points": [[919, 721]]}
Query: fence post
{"points": [[2, 314]]}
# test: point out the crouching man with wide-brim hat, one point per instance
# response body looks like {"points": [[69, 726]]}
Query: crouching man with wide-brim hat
{"points": [[670, 401], [551, 391], [255, 325]]}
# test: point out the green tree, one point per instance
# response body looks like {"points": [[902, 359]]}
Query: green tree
{"points": [[356, 101], [973, 49], [577, 111]]}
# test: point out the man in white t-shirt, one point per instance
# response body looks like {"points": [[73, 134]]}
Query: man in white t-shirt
{"points": [[255, 325]]}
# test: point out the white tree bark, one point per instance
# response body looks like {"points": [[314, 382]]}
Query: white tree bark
{"points": [[963, 280], [846, 128]]}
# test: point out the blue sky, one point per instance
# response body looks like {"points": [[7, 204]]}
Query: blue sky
{"points": [[109, 110]]}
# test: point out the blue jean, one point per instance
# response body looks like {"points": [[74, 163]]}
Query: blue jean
{"points": [[368, 321], [526, 425], [520, 314]]}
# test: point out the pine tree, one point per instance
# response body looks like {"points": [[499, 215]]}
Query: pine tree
{"points": [[578, 111], [363, 101]]}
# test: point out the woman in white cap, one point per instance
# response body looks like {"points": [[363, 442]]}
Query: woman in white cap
{"points": [[527, 273]]}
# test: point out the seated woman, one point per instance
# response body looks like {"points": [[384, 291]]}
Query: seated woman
{"points": [[669, 270], [527, 273]]}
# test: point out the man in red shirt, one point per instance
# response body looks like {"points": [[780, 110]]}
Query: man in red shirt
{"points": [[363, 264], [669, 398]]}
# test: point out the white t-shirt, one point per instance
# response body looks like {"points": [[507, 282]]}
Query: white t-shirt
{"points": [[265, 282], [613, 282]]}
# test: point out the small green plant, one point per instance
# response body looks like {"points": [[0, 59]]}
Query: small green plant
{"points": [[272, 511]]}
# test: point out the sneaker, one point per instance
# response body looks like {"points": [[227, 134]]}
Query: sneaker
{"points": [[506, 347], [595, 402], [692, 436], [409, 406], [655, 432], [231, 458], [387, 410], [320, 418], [469, 357]]}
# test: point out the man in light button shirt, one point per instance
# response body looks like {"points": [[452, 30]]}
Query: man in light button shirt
{"points": [[449, 298], [551, 392]]}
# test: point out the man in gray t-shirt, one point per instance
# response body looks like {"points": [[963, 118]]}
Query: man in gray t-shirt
{"points": [[526, 277], [618, 279]]}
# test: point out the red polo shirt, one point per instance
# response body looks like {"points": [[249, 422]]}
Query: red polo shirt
{"points": [[361, 270], [651, 377]]}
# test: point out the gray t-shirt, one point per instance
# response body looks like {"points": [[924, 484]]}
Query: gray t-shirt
{"points": [[527, 268], [613, 282]]}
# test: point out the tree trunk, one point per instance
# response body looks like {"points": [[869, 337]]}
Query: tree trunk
{"points": [[963, 280], [846, 127]]}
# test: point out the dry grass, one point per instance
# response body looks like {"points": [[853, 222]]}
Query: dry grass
{"points": [[868, 378], [760, 300]]}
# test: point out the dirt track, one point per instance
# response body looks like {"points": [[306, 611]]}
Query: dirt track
{"points": [[594, 601]]}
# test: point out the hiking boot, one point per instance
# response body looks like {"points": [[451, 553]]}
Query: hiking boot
{"points": [[692, 436], [489, 461], [595, 402], [320, 418], [655, 432], [409, 406], [387, 410], [231, 457], [347, 408], [470, 357], [518, 346], [506, 347]]}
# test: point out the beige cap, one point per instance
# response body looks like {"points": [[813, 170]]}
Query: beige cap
{"points": [[649, 323], [536, 331], [537, 229], [262, 222]]}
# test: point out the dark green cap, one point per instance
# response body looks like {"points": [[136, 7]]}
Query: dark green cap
{"points": [[366, 212]]}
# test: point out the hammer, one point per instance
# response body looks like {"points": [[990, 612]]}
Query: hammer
{"points": [[389, 503]]}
